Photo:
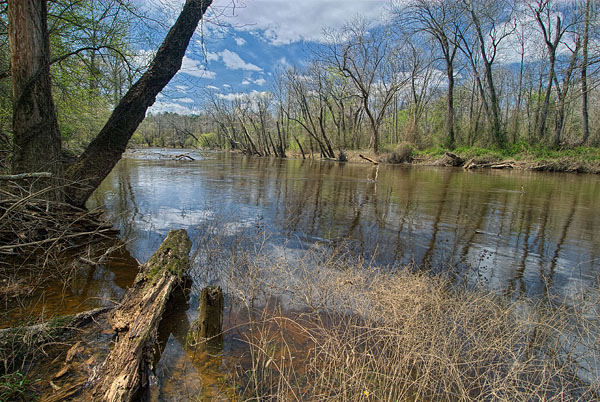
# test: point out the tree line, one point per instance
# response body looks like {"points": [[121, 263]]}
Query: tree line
{"points": [[449, 73]]}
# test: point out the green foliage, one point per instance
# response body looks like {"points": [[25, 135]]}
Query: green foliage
{"points": [[208, 140], [13, 387], [435, 152]]}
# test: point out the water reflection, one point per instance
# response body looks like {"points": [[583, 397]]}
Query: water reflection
{"points": [[523, 233]]}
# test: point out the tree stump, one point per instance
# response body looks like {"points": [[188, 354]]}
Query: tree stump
{"points": [[210, 313]]}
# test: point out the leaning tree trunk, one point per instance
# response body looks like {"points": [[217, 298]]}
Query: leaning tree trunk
{"points": [[35, 128], [106, 149]]}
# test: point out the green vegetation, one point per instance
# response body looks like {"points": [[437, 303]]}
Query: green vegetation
{"points": [[13, 387]]}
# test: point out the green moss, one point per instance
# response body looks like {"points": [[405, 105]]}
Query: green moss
{"points": [[172, 256]]}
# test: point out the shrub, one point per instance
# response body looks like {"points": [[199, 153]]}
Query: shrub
{"points": [[403, 153]]}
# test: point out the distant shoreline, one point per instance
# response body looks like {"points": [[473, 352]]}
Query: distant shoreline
{"points": [[584, 160]]}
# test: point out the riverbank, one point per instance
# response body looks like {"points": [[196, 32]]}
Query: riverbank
{"points": [[339, 328], [522, 157]]}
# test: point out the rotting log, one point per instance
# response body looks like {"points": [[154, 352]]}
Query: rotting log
{"points": [[450, 159], [125, 374]]}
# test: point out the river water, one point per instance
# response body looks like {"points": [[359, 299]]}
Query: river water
{"points": [[523, 234]]}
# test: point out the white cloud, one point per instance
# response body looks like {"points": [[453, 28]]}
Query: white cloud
{"points": [[182, 88], [195, 68], [245, 96], [240, 41], [226, 86], [212, 56], [283, 21], [143, 58], [184, 100], [172, 107], [214, 88], [234, 62], [258, 81]]}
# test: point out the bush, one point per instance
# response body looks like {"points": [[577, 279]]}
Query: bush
{"points": [[404, 153]]}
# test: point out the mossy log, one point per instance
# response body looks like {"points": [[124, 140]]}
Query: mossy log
{"points": [[124, 375]]}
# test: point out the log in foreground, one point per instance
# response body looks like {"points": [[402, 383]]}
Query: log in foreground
{"points": [[125, 373]]}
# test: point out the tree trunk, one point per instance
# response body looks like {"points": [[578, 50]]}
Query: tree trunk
{"points": [[450, 110], [37, 138], [106, 149], [584, 86]]}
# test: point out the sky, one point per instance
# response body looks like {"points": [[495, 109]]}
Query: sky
{"points": [[245, 42]]}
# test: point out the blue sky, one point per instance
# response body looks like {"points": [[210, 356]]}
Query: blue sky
{"points": [[239, 48]]}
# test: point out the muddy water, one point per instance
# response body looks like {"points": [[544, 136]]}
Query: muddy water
{"points": [[520, 233]]}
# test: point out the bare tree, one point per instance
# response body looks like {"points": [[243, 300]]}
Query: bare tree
{"points": [[367, 57], [439, 19]]}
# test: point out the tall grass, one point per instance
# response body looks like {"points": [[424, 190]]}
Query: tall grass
{"points": [[326, 326]]}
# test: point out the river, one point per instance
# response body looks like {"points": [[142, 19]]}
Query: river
{"points": [[523, 234], [518, 232]]}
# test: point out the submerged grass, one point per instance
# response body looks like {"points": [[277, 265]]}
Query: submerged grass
{"points": [[324, 325]]}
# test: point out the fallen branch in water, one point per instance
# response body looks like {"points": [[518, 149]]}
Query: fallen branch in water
{"points": [[374, 162]]}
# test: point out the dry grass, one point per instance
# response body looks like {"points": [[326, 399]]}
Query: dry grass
{"points": [[325, 326]]}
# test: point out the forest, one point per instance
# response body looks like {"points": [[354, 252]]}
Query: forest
{"points": [[506, 75]]}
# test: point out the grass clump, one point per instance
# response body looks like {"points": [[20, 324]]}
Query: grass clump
{"points": [[13, 387]]}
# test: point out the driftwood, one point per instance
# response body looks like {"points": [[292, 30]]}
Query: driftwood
{"points": [[125, 374], [450, 159], [373, 161], [492, 165]]}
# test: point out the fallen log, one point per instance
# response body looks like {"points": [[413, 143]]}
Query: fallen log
{"points": [[125, 374], [491, 165], [373, 161]]}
